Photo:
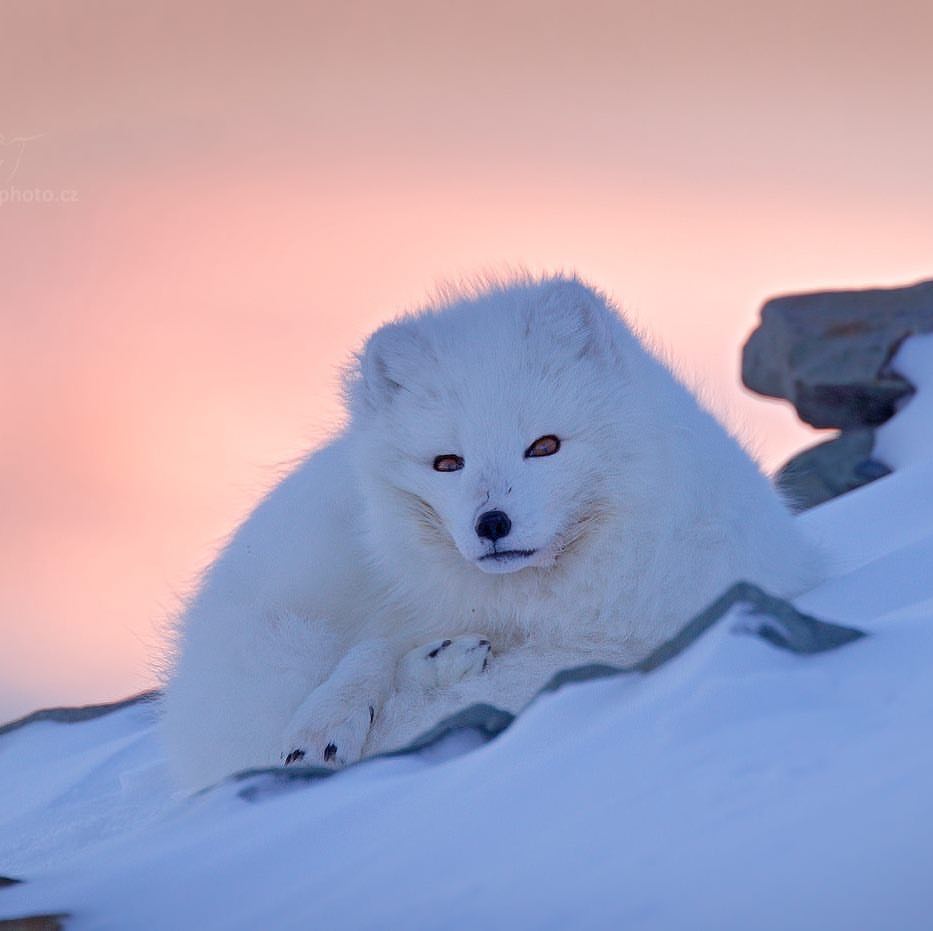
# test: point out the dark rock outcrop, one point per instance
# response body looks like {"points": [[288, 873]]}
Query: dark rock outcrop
{"points": [[830, 469], [829, 354], [77, 714], [34, 923]]}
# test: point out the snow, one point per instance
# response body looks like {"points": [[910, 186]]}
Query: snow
{"points": [[739, 786], [908, 438]]}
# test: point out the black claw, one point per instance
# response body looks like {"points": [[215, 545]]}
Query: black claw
{"points": [[330, 751], [437, 650], [294, 756], [372, 714]]}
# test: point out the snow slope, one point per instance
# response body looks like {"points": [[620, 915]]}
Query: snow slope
{"points": [[737, 787]]}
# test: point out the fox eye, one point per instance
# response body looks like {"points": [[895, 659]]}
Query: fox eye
{"points": [[448, 463], [543, 446]]}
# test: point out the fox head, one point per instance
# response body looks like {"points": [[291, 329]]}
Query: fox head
{"points": [[495, 422]]}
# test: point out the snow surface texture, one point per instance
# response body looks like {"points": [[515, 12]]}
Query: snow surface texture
{"points": [[736, 786]]}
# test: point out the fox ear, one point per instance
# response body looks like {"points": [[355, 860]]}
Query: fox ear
{"points": [[576, 317], [391, 359]]}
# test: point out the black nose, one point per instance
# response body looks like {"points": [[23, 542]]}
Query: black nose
{"points": [[493, 524]]}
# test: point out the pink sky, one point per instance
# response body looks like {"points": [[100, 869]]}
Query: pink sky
{"points": [[260, 184]]}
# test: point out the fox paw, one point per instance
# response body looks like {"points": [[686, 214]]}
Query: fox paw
{"points": [[445, 662], [334, 744]]}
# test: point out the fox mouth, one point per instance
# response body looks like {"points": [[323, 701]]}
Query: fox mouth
{"points": [[504, 562], [506, 555]]}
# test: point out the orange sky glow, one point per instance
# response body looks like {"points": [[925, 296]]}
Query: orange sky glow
{"points": [[237, 193]]}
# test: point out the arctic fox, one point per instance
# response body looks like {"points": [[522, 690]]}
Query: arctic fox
{"points": [[520, 487]]}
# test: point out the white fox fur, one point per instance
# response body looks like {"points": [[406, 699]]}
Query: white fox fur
{"points": [[355, 608]]}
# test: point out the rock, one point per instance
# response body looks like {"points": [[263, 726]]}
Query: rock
{"points": [[82, 713], [830, 469], [34, 923], [828, 352]]}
